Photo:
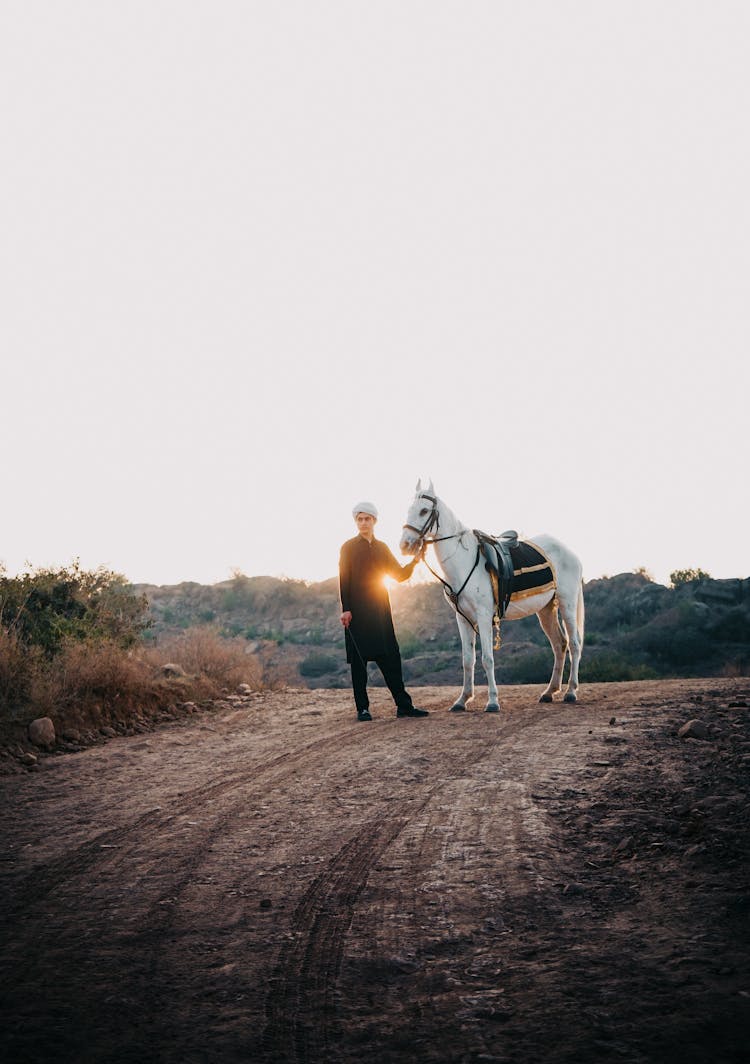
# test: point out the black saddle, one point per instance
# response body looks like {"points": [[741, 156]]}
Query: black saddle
{"points": [[498, 561]]}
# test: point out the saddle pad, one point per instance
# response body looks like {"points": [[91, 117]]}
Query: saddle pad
{"points": [[532, 572]]}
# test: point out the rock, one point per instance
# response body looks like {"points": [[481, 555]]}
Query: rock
{"points": [[71, 735], [108, 732], [172, 670], [625, 844], [42, 732], [245, 689], [694, 729], [403, 964], [27, 758]]}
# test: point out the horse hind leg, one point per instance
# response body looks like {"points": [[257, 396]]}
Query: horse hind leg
{"points": [[573, 619], [548, 620]]}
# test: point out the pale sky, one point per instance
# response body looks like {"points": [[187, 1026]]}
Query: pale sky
{"points": [[261, 260]]}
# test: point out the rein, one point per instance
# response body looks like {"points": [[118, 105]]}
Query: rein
{"points": [[452, 595], [434, 520]]}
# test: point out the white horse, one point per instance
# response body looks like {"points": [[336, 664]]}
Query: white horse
{"points": [[468, 585]]}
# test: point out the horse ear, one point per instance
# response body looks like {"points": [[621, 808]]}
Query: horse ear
{"points": [[418, 487], [431, 488]]}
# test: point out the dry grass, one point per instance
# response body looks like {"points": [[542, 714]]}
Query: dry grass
{"points": [[217, 664], [97, 682], [21, 669], [98, 674]]}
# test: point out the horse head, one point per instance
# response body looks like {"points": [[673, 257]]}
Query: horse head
{"points": [[421, 519]]}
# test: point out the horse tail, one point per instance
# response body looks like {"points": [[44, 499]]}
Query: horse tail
{"points": [[580, 614]]}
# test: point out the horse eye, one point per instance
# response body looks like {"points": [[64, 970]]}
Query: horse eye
{"points": [[422, 512]]}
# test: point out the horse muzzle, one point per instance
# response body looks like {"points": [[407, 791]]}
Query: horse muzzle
{"points": [[410, 542]]}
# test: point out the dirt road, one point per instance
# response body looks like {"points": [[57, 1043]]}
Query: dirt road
{"points": [[273, 882]]}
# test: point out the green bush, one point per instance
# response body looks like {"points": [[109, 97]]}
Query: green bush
{"points": [[611, 667], [49, 608], [687, 576], [318, 664], [734, 626], [409, 643], [674, 639], [534, 667], [239, 597]]}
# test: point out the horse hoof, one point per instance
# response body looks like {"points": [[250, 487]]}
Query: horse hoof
{"points": [[458, 708], [570, 698], [546, 698], [492, 707]]}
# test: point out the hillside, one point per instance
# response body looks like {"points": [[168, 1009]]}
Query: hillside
{"points": [[635, 629]]}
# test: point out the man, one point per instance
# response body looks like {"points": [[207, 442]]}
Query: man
{"points": [[366, 612]]}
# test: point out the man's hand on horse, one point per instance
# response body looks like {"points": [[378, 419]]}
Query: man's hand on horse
{"points": [[346, 618]]}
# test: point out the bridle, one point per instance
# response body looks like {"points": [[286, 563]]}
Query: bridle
{"points": [[433, 521]]}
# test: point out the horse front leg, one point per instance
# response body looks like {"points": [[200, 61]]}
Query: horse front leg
{"points": [[488, 663], [468, 658]]}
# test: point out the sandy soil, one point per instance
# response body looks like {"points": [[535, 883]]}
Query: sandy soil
{"points": [[271, 881]]}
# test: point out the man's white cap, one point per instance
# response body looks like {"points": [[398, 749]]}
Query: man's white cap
{"points": [[365, 508]]}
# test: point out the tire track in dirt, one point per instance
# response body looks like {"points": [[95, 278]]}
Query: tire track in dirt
{"points": [[103, 849], [414, 907], [26, 956], [300, 1005], [302, 1026], [147, 955]]}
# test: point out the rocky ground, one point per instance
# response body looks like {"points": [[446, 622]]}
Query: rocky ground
{"points": [[268, 880]]}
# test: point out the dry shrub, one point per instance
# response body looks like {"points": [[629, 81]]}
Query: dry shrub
{"points": [[214, 663], [92, 682], [735, 668], [86, 683], [21, 668], [98, 673]]}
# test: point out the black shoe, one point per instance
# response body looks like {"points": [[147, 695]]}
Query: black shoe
{"points": [[364, 715], [412, 711]]}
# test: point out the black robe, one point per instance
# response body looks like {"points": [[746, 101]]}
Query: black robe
{"points": [[362, 566]]}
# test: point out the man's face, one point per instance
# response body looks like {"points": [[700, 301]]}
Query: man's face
{"points": [[365, 524]]}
